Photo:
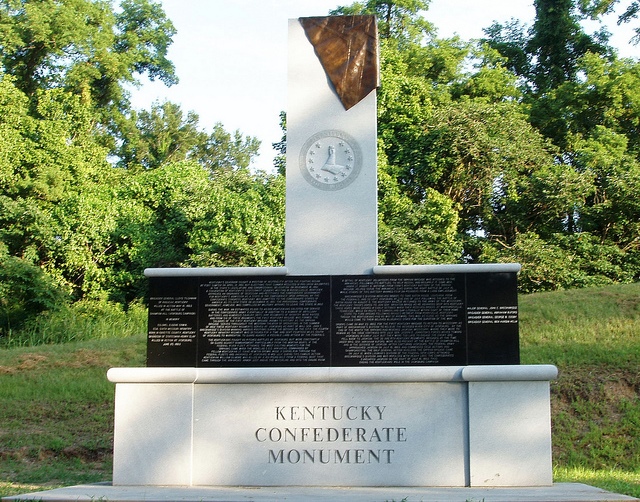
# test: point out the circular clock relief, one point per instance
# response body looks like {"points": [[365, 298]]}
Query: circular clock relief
{"points": [[330, 160]]}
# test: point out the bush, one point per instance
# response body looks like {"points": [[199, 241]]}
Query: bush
{"points": [[83, 320], [25, 291], [564, 261]]}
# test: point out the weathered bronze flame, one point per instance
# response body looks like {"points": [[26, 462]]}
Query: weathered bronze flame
{"points": [[347, 47]]}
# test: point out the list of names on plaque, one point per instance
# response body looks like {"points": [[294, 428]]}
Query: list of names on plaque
{"points": [[172, 320], [506, 314], [399, 321], [258, 321]]}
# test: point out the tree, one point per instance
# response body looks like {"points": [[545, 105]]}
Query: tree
{"points": [[56, 200], [490, 80], [483, 157], [557, 43], [164, 135], [607, 95], [224, 151], [510, 40], [595, 8], [280, 161], [82, 46], [243, 223], [398, 20], [548, 54], [547, 57], [159, 135], [613, 210], [414, 233], [72, 227], [25, 291]]}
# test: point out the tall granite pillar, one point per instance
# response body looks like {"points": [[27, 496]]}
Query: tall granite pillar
{"points": [[331, 214]]}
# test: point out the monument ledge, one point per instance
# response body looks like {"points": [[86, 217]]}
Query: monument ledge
{"points": [[497, 373], [459, 268]]}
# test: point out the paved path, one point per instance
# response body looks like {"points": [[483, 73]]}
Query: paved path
{"points": [[559, 492]]}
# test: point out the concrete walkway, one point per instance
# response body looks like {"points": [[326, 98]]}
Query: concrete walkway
{"points": [[559, 492]]}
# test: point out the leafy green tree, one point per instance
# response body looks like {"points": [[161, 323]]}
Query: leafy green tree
{"points": [[548, 54], [25, 291], [613, 210], [482, 156], [164, 135], [159, 135], [72, 227], [280, 161], [456, 144], [563, 261], [600, 116], [547, 57], [398, 20], [243, 225], [225, 151], [490, 79], [557, 43], [168, 200], [607, 96], [56, 196], [180, 215], [85, 47], [414, 233], [511, 41], [593, 9]]}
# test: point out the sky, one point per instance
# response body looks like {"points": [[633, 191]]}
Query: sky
{"points": [[231, 56]]}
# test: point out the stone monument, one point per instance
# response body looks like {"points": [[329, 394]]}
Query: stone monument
{"points": [[331, 210], [332, 370]]}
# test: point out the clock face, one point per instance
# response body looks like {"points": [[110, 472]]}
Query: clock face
{"points": [[330, 160]]}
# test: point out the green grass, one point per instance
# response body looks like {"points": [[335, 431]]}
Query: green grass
{"points": [[56, 405], [613, 480], [593, 336], [56, 412], [592, 326]]}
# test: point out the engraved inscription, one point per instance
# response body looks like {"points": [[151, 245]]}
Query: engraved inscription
{"points": [[331, 434], [172, 320], [507, 314], [349, 320], [263, 321], [398, 321]]}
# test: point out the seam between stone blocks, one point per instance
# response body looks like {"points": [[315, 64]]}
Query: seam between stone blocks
{"points": [[467, 439], [193, 426]]}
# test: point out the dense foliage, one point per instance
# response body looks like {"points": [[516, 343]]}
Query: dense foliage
{"points": [[520, 147], [523, 144]]}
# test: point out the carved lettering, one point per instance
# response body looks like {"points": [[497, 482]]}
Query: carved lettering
{"points": [[329, 412], [360, 433], [348, 456]]}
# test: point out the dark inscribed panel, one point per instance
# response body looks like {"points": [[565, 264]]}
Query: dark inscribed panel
{"points": [[398, 320], [173, 308], [279, 321], [492, 318], [260, 322]]}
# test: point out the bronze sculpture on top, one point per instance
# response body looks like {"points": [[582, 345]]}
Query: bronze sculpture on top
{"points": [[347, 47]]}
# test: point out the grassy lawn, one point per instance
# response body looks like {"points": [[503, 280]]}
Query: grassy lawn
{"points": [[56, 412], [593, 336], [56, 405]]}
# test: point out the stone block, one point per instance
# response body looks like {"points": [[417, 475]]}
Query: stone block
{"points": [[331, 227], [331, 434], [510, 433], [152, 436]]}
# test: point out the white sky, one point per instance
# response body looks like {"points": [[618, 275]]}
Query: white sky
{"points": [[230, 55]]}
